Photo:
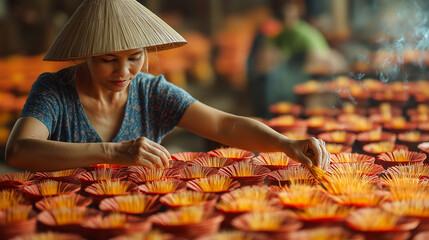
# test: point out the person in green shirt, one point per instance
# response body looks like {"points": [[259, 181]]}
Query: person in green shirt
{"points": [[287, 55]]}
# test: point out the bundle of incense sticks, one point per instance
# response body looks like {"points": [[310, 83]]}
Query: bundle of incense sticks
{"points": [[381, 147], [245, 205], [293, 175], [188, 215], [411, 208], [412, 136], [251, 192], [411, 170], [375, 135], [10, 198], [61, 201], [322, 211], [18, 176], [186, 198], [195, 171], [64, 173], [317, 172], [399, 155], [273, 158], [357, 168], [265, 221], [135, 203], [408, 190], [212, 162], [66, 216], [342, 183], [141, 174], [338, 136], [214, 183], [51, 187], [372, 219], [360, 200], [113, 220], [230, 152], [303, 199], [162, 186], [114, 187], [15, 214]]}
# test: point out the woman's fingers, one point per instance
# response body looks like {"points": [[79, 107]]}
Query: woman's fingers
{"points": [[161, 152]]}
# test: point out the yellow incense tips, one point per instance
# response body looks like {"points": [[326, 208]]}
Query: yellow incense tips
{"points": [[188, 215], [60, 201], [410, 170], [410, 208], [265, 221], [10, 198], [297, 199], [136, 203], [399, 155], [186, 198], [334, 148], [413, 136], [244, 205], [65, 216], [338, 136], [51, 187], [103, 174], [162, 186], [15, 214], [113, 220], [342, 183], [322, 211], [317, 172], [373, 219], [273, 158], [251, 192], [18, 177], [375, 135], [381, 147], [113, 187], [214, 183]]}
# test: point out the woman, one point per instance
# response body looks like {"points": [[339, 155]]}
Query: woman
{"points": [[104, 110]]}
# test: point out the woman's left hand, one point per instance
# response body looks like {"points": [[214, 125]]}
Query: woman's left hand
{"points": [[309, 152]]}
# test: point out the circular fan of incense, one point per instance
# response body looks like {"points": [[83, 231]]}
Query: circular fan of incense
{"points": [[377, 148], [17, 180], [212, 162], [308, 87], [375, 136], [351, 158], [152, 235], [339, 183], [48, 236], [283, 108], [400, 157], [194, 172], [423, 127], [314, 124], [361, 199], [11, 198], [190, 222], [102, 174], [340, 137], [235, 154], [290, 176], [236, 205], [410, 208], [49, 188], [399, 127], [378, 220], [17, 220], [405, 188], [272, 224], [334, 148], [140, 204], [296, 199], [320, 111], [162, 187], [296, 135], [323, 213], [142, 175], [357, 168], [63, 175], [362, 125], [246, 173], [250, 192], [412, 139], [66, 219], [332, 126], [274, 161], [60, 201], [105, 189], [287, 123], [189, 198], [323, 233], [213, 184], [187, 156], [115, 224], [409, 170]]}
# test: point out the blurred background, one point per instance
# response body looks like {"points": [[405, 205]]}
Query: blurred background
{"points": [[242, 56]]}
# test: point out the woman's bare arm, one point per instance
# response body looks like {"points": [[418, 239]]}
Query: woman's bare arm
{"points": [[28, 148], [249, 134]]}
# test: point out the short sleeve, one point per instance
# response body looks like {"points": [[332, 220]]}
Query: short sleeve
{"points": [[169, 102], [42, 102]]}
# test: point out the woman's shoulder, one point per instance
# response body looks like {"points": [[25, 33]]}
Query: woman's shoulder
{"points": [[55, 79], [149, 80]]}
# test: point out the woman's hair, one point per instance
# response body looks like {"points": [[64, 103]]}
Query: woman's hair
{"points": [[277, 7]]}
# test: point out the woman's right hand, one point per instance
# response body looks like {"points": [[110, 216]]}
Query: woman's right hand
{"points": [[143, 152]]}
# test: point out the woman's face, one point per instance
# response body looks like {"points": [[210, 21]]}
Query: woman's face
{"points": [[114, 71]]}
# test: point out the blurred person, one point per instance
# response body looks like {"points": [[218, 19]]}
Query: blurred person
{"points": [[104, 110], [286, 53]]}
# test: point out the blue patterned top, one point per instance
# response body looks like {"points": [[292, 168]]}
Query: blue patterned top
{"points": [[154, 107]]}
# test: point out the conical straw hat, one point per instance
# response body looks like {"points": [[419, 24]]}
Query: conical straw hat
{"points": [[104, 26]]}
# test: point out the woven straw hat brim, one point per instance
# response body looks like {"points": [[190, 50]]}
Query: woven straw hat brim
{"points": [[105, 26]]}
